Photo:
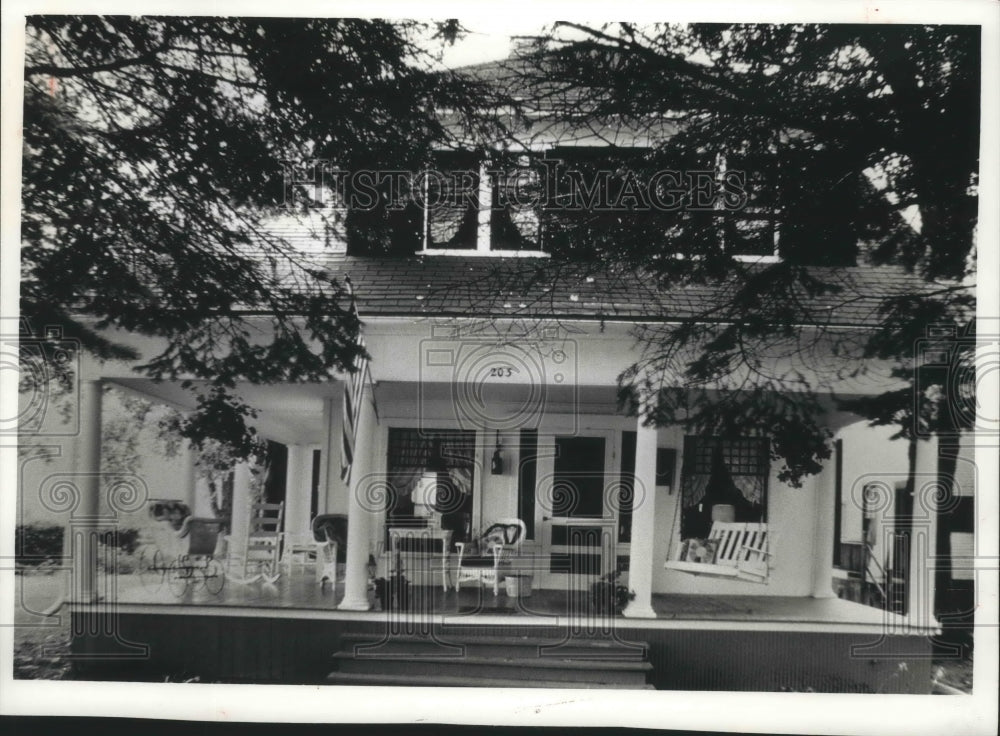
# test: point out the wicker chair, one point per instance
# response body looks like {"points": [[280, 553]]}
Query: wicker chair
{"points": [[329, 533]]}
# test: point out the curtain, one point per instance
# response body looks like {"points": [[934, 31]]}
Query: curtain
{"points": [[719, 471], [411, 453]]}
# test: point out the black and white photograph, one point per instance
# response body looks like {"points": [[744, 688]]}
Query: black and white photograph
{"points": [[531, 366]]}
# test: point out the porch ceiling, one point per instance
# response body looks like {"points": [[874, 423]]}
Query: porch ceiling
{"points": [[586, 399], [293, 414], [290, 413]]}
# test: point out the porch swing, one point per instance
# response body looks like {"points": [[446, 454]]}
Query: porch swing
{"points": [[732, 550]]}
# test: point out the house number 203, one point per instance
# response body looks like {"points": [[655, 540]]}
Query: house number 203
{"points": [[502, 371]]}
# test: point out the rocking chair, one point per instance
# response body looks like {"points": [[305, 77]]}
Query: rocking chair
{"points": [[260, 555]]}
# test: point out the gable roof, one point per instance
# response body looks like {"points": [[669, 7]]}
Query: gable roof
{"points": [[555, 113], [482, 286]]}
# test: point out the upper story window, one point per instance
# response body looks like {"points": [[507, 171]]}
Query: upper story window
{"points": [[478, 206], [751, 231], [568, 198], [451, 194]]}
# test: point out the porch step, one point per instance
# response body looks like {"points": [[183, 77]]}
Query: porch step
{"points": [[578, 648], [344, 678], [470, 661]]}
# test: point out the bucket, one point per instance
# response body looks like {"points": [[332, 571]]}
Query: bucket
{"points": [[518, 586]]}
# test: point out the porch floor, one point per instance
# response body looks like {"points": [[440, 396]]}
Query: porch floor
{"points": [[298, 594]]}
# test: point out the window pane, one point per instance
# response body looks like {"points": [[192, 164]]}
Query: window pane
{"points": [[723, 472], [750, 229], [514, 218], [452, 199], [450, 455], [578, 480], [591, 188], [749, 235]]}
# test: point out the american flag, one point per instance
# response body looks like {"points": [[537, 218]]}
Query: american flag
{"points": [[354, 388]]}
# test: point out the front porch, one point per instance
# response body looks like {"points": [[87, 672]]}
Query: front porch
{"points": [[298, 594], [596, 489], [288, 632]]}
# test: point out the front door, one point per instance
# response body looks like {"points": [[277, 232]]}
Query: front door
{"points": [[575, 515]]}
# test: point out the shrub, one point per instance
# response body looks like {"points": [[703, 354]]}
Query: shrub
{"points": [[36, 544], [127, 539], [608, 595]]}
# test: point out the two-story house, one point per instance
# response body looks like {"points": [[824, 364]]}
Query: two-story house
{"points": [[496, 346]]}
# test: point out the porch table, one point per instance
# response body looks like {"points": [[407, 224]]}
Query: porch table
{"points": [[396, 533]]}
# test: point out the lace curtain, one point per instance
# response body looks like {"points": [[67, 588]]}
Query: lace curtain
{"points": [[411, 454], [719, 471]]}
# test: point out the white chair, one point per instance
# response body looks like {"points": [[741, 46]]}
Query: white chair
{"points": [[496, 545], [299, 552], [326, 561], [329, 534], [260, 556]]}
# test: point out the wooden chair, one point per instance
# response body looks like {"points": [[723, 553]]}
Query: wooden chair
{"points": [[260, 555], [496, 545]]}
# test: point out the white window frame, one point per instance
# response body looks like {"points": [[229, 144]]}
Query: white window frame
{"points": [[774, 256], [483, 232], [679, 476]]}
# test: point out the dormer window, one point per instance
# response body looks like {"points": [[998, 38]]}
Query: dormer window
{"points": [[750, 232], [451, 195], [481, 207], [566, 199]]}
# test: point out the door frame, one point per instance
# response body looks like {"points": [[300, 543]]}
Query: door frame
{"points": [[545, 521]]}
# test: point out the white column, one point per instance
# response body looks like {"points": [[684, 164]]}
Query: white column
{"points": [[80, 540], [923, 538], [190, 480], [241, 508], [298, 484], [202, 503], [640, 566], [824, 491], [359, 509]]}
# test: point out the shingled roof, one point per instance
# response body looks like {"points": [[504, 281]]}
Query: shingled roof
{"points": [[478, 286], [556, 113]]}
